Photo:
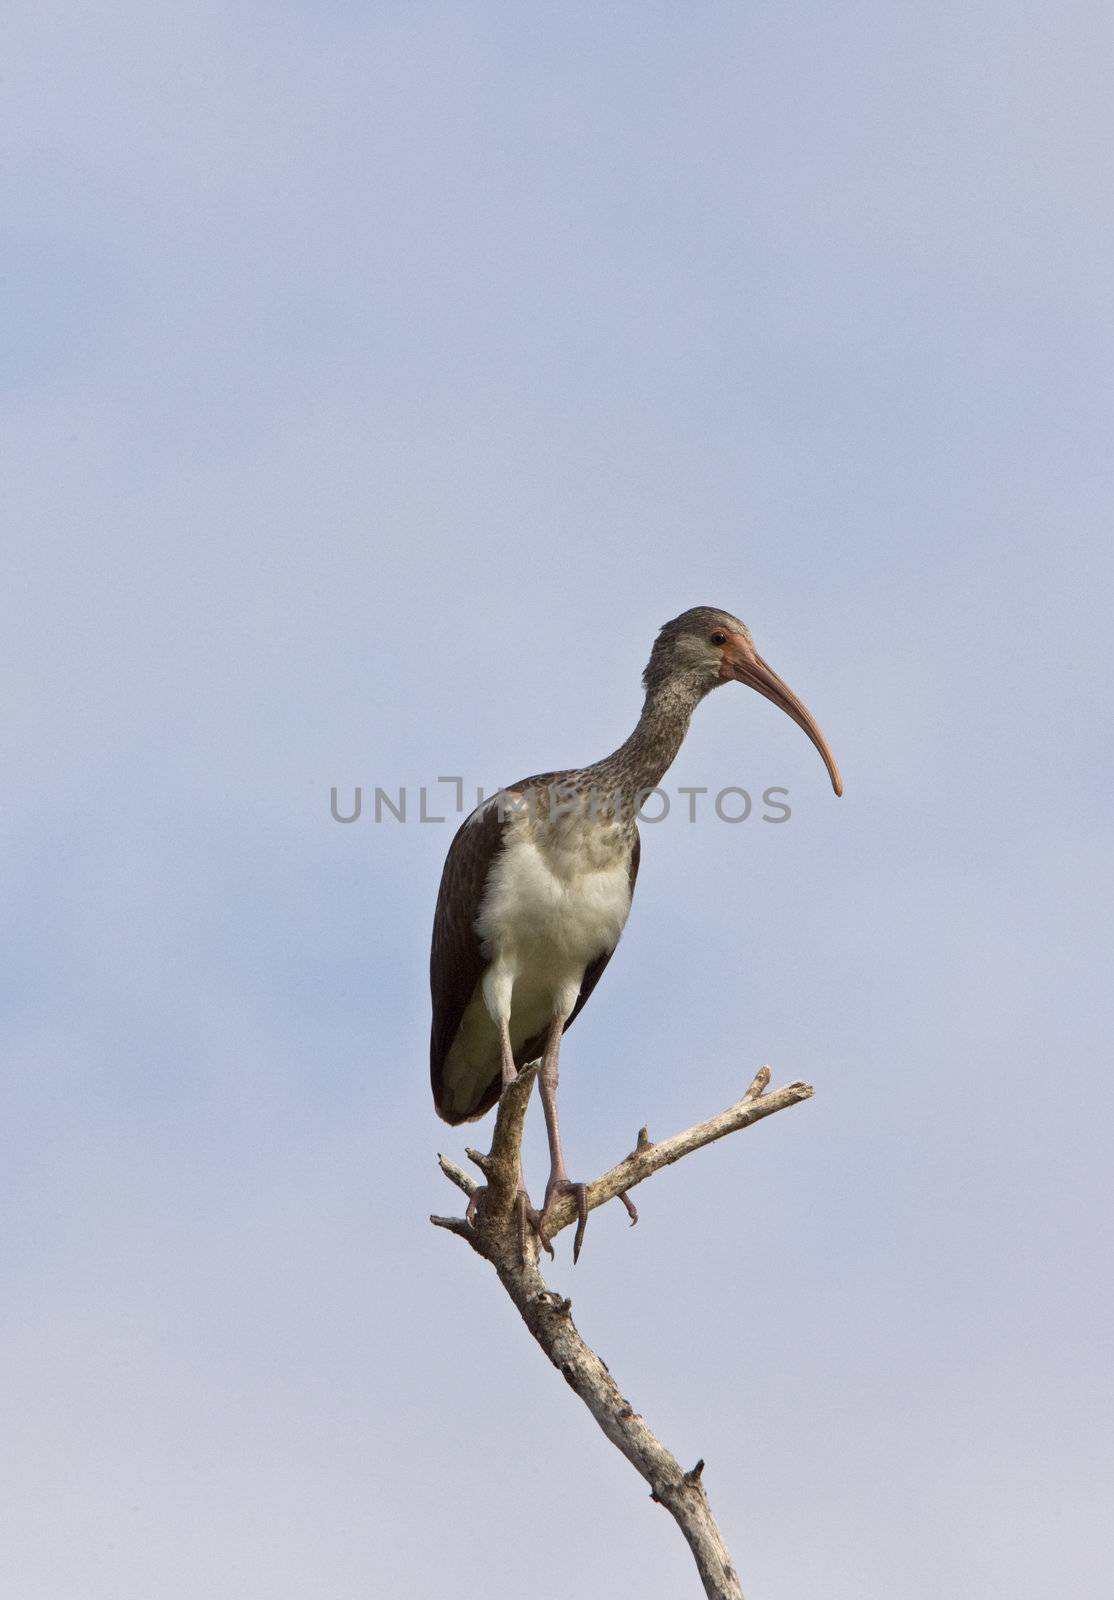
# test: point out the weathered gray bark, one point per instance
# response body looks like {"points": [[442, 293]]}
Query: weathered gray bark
{"points": [[494, 1234]]}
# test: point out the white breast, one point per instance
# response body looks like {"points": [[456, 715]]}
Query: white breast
{"points": [[545, 916], [555, 900]]}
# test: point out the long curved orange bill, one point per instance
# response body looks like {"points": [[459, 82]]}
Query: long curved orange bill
{"points": [[751, 669]]}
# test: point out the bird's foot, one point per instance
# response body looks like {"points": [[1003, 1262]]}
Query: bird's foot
{"points": [[554, 1189], [526, 1217]]}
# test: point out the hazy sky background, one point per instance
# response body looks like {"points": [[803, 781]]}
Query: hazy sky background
{"points": [[376, 380]]}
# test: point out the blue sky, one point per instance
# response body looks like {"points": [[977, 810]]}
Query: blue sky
{"points": [[375, 382]]}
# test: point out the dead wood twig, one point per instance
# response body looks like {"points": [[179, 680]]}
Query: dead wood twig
{"points": [[493, 1233]]}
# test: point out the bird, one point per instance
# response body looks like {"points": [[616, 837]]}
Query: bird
{"points": [[537, 887]]}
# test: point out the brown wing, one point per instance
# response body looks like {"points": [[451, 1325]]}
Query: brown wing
{"points": [[456, 962]]}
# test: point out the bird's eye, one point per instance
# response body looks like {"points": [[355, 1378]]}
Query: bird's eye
{"points": [[719, 638]]}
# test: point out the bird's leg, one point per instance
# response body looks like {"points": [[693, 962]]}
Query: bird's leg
{"points": [[525, 1213], [510, 1071], [559, 1181]]}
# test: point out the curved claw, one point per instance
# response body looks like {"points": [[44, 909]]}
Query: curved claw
{"points": [[581, 1192], [553, 1192]]}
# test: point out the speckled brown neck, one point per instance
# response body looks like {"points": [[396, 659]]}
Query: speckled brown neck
{"points": [[643, 760]]}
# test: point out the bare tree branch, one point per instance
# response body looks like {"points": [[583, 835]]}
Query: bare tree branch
{"points": [[647, 1158], [458, 1176], [494, 1232]]}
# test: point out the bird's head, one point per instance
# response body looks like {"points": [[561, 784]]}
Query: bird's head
{"points": [[706, 647]]}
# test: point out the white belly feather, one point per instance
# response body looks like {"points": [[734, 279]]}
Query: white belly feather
{"points": [[544, 918]]}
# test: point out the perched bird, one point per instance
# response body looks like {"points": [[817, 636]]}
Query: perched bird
{"points": [[537, 887]]}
